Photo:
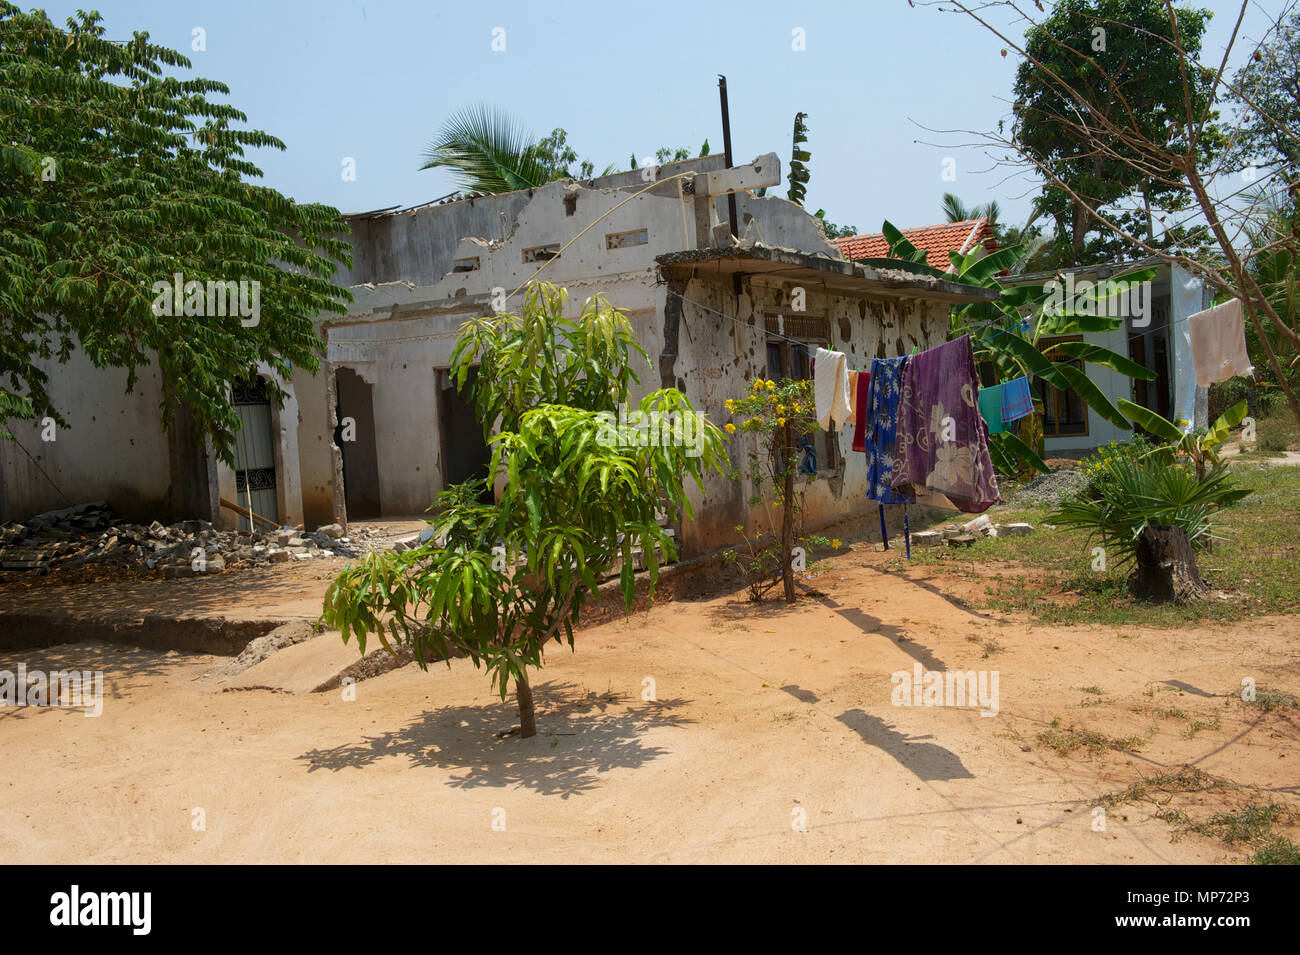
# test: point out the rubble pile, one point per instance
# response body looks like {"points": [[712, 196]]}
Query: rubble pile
{"points": [[92, 533]]}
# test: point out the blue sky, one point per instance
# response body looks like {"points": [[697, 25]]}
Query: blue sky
{"points": [[373, 79]]}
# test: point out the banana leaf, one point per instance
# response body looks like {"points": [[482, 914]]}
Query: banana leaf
{"points": [[1021, 450], [1092, 395], [1149, 421], [1105, 357]]}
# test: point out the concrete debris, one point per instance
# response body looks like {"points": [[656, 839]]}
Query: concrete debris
{"points": [[92, 534], [1049, 490], [1016, 530]]}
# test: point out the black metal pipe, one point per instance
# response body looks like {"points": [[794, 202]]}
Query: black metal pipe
{"points": [[726, 150]]}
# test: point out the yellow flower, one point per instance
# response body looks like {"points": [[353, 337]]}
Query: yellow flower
{"points": [[731, 405], [837, 543], [771, 386], [730, 428], [758, 383], [781, 422]]}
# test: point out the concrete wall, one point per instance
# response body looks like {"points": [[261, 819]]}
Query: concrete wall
{"points": [[418, 246], [397, 333], [718, 358], [114, 447]]}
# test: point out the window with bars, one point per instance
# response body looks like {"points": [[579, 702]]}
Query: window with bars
{"points": [[793, 359]]}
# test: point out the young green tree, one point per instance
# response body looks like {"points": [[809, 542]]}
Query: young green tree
{"points": [[114, 177], [779, 414], [576, 496]]}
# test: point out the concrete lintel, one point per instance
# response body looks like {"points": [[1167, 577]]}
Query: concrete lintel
{"points": [[835, 275], [763, 172]]}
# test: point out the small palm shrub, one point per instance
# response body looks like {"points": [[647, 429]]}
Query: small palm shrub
{"points": [[1129, 494]]}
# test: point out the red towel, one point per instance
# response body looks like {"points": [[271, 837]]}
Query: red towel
{"points": [[860, 412]]}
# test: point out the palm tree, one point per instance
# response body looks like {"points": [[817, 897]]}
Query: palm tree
{"points": [[490, 151], [957, 211]]}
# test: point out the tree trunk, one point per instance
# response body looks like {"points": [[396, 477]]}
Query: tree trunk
{"points": [[787, 512], [1166, 567], [527, 719]]}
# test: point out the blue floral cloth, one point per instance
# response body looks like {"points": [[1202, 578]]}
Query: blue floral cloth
{"points": [[886, 389]]}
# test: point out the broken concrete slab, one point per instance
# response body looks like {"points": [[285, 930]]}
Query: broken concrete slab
{"points": [[318, 663]]}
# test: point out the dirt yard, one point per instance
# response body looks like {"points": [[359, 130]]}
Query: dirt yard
{"points": [[707, 730]]}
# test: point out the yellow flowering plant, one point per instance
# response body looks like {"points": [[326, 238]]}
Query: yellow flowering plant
{"points": [[778, 414]]}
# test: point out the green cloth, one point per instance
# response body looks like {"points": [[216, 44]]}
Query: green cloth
{"points": [[991, 408]]}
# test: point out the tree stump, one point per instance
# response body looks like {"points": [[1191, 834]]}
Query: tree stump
{"points": [[1166, 567]]}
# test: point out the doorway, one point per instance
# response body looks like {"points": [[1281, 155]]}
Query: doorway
{"points": [[355, 438], [465, 453], [255, 483]]}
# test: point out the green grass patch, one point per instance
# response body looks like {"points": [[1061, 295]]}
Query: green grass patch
{"points": [[1066, 741], [1279, 851], [1251, 824], [1195, 726], [1256, 561], [1270, 700], [1189, 779]]}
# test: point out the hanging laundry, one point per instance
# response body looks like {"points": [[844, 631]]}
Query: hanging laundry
{"points": [[1017, 403], [861, 410], [831, 387], [942, 444], [884, 392], [991, 408], [1219, 343]]}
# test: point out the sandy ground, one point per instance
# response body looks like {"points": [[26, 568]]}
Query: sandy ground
{"points": [[770, 737]]}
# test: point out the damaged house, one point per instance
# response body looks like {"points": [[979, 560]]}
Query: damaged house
{"points": [[382, 429]]}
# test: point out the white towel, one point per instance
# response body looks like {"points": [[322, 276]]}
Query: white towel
{"points": [[831, 386], [1219, 343]]}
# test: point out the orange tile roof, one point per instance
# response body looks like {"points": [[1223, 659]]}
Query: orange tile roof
{"points": [[936, 240]]}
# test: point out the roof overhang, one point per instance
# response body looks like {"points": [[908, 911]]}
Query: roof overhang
{"points": [[832, 275]]}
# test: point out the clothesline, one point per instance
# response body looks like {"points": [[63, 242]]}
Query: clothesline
{"points": [[811, 350]]}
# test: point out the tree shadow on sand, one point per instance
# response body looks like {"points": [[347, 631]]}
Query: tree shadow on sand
{"points": [[579, 736], [125, 669]]}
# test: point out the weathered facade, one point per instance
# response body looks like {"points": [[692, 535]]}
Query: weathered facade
{"points": [[380, 430]]}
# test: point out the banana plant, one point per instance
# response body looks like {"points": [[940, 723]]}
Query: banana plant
{"points": [[1009, 332], [799, 158], [1201, 448]]}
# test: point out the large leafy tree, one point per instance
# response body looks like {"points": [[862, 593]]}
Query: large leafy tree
{"points": [[500, 581], [115, 176], [1175, 148], [1117, 56]]}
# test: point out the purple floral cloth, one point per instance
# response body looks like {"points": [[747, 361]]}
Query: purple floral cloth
{"points": [[943, 443]]}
